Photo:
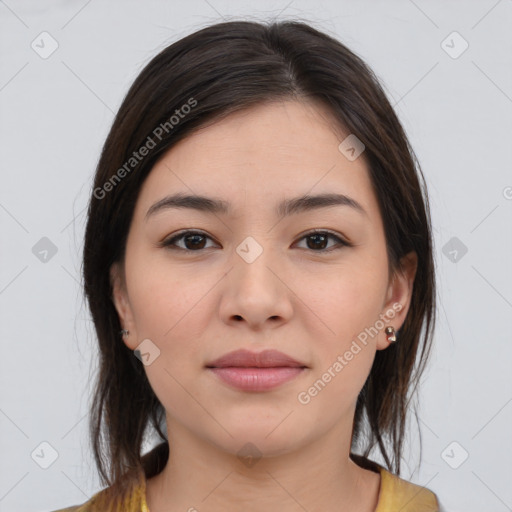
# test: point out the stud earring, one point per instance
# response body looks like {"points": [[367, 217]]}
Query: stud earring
{"points": [[124, 332], [391, 334]]}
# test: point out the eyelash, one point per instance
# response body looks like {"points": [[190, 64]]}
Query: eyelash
{"points": [[169, 243]]}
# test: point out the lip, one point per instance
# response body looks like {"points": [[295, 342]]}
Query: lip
{"points": [[251, 371], [248, 359]]}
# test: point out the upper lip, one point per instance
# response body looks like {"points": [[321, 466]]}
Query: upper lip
{"points": [[248, 359]]}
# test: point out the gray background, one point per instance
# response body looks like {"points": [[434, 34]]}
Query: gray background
{"points": [[55, 113]]}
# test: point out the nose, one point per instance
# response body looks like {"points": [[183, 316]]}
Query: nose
{"points": [[257, 289]]}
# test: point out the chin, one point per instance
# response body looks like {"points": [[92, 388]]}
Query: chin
{"points": [[251, 446]]}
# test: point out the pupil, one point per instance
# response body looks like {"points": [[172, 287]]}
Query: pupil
{"points": [[323, 237], [194, 243]]}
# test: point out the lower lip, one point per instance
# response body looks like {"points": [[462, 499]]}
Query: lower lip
{"points": [[257, 379]]}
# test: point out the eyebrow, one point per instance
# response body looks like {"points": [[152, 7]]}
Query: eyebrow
{"points": [[284, 209]]}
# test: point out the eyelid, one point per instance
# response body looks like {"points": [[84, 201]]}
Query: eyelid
{"points": [[319, 231]]}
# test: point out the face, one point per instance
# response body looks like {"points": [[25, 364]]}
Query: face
{"points": [[254, 276]]}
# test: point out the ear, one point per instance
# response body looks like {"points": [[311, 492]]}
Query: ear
{"points": [[398, 298], [122, 304]]}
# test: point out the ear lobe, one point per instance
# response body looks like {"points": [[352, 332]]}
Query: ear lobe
{"points": [[399, 296], [120, 301]]}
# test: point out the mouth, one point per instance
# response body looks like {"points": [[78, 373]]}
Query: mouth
{"points": [[248, 359], [250, 371]]}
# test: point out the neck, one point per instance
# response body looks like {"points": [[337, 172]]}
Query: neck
{"points": [[199, 475]]}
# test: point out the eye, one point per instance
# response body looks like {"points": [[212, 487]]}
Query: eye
{"points": [[319, 239], [195, 241]]}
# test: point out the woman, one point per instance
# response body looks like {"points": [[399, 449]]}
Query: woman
{"points": [[258, 264]]}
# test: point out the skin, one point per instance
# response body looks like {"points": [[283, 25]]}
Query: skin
{"points": [[302, 300]]}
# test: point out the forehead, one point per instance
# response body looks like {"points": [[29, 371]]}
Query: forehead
{"points": [[261, 155]]}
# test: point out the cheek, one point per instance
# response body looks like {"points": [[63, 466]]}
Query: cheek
{"points": [[168, 302], [173, 311], [346, 309], [176, 314], [343, 302]]}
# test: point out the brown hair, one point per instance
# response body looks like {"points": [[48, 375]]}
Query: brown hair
{"points": [[220, 69]]}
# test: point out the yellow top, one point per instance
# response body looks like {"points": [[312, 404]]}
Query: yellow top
{"points": [[394, 494]]}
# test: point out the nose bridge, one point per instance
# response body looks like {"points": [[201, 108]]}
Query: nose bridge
{"points": [[252, 260], [254, 292]]}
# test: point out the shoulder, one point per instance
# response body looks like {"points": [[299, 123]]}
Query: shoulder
{"points": [[396, 493], [399, 494], [92, 505], [127, 495]]}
